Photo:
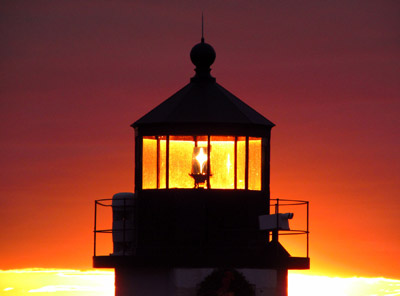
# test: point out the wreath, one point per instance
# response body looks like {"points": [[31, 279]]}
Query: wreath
{"points": [[225, 282]]}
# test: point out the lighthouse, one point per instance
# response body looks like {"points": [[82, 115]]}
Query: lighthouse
{"points": [[201, 220]]}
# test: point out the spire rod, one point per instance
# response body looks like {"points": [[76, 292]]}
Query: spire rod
{"points": [[202, 28]]}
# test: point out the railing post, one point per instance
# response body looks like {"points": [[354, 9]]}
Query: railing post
{"points": [[123, 228], [275, 233], [308, 229], [94, 232], [284, 203]]}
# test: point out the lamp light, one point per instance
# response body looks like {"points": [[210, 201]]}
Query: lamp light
{"points": [[199, 166]]}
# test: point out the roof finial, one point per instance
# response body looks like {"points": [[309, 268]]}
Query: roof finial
{"points": [[202, 28]]}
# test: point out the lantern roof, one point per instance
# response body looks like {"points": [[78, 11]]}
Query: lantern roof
{"points": [[203, 100]]}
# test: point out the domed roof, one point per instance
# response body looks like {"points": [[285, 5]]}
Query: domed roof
{"points": [[202, 55]]}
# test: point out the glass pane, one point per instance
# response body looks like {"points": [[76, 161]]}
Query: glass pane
{"points": [[185, 155], [255, 163], [241, 162], [222, 162], [180, 161], [163, 161], [149, 168]]}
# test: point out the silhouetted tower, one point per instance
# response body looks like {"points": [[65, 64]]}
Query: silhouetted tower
{"points": [[199, 221]]}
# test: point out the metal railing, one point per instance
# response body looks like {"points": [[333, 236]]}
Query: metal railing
{"points": [[108, 203], [278, 206]]}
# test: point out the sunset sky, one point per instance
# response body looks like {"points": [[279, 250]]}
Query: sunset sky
{"points": [[76, 74]]}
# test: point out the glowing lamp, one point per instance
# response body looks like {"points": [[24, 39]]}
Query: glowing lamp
{"points": [[185, 161], [199, 166]]}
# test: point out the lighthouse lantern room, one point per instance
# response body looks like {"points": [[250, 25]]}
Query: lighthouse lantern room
{"points": [[200, 220]]}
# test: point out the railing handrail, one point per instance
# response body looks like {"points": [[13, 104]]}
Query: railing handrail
{"points": [[278, 203], [297, 201]]}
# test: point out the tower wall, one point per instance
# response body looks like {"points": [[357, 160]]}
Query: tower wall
{"points": [[185, 282]]}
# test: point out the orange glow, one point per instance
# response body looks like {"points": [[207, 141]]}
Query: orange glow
{"points": [[255, 163], [223, 149], [163, 163], [181, 165], [241, 162], [150, 163]]}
